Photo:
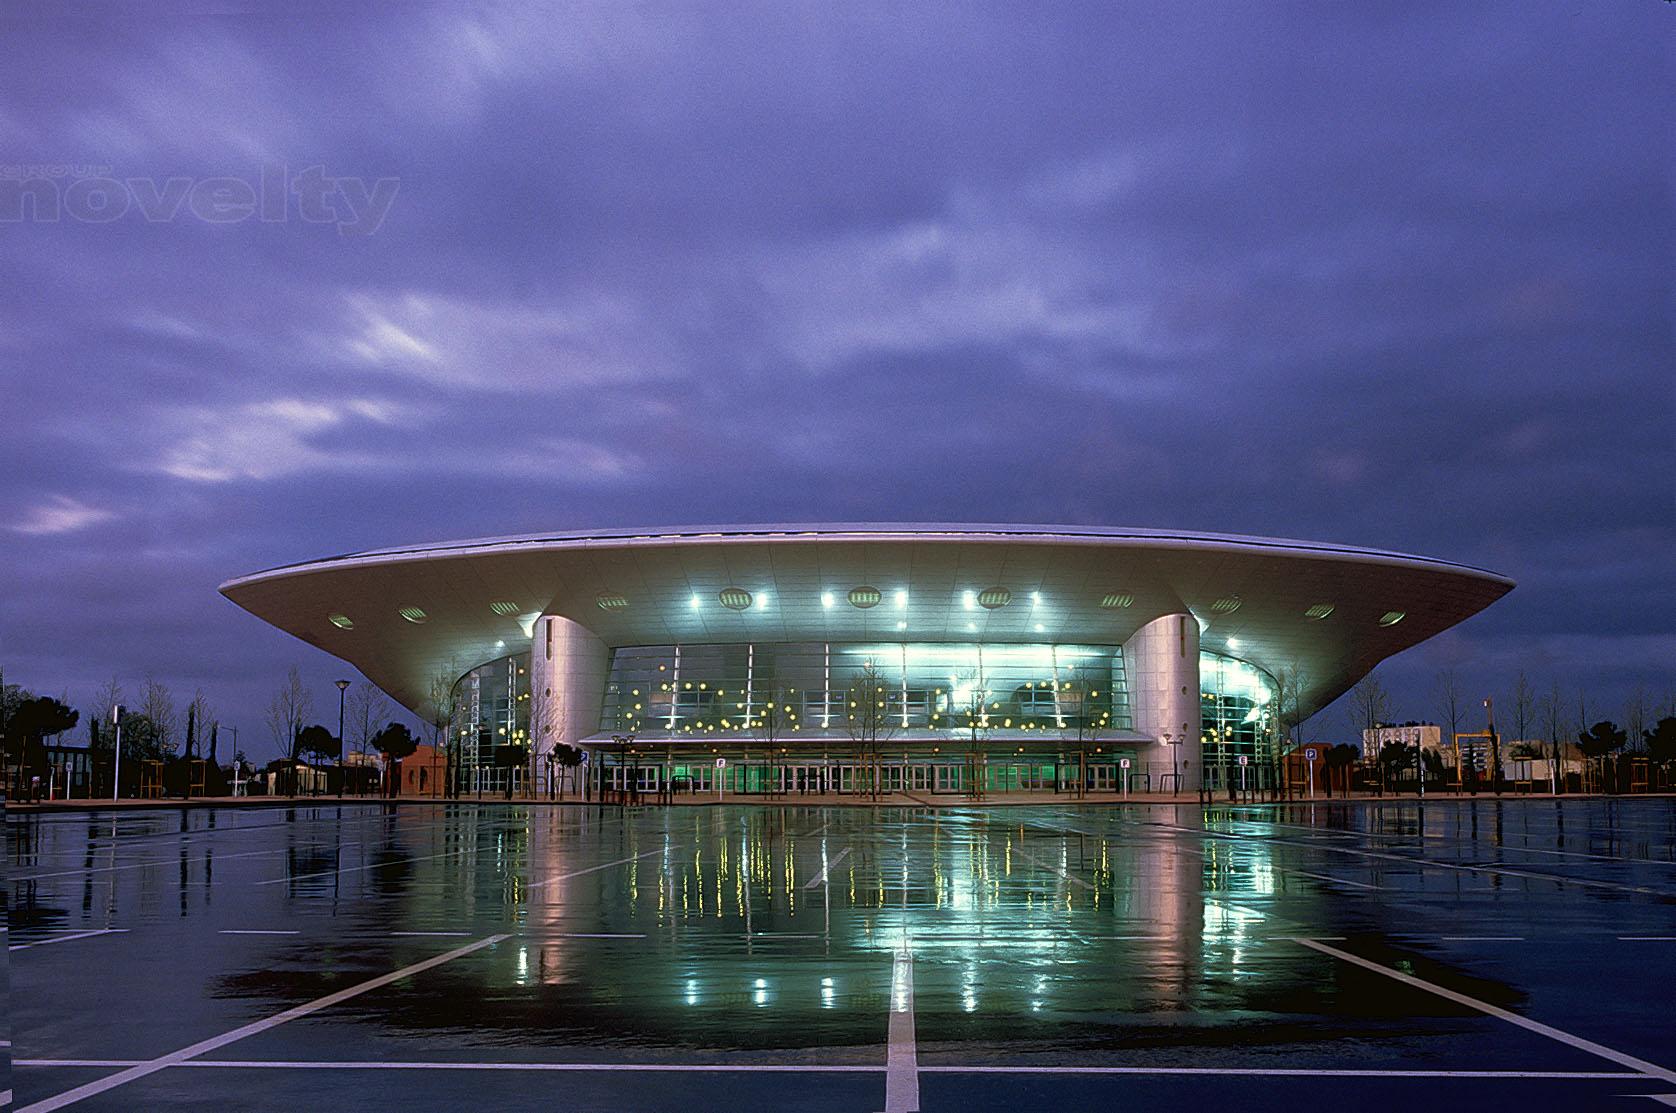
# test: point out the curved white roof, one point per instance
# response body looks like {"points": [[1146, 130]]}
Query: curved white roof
{"points": [[1256, 598]]}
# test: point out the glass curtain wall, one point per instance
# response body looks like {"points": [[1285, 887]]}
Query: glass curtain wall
{"points": [[825, 689], [1237, 703], [491, 725]]}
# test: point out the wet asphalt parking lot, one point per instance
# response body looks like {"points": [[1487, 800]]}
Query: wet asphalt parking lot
{"points": [[1456, 955]]}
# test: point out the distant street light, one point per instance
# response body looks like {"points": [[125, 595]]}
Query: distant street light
{"points": [[116, 773], [343, 686]]}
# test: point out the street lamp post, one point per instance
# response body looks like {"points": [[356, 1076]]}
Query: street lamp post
{"points": [[623, 742], [1227, 771], [343, 686], [116, 771]]}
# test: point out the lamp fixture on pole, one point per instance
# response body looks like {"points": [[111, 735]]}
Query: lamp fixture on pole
{"points": [[343, 686]]}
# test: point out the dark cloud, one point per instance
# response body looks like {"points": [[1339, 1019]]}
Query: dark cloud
{"points": [[1397, 276]]}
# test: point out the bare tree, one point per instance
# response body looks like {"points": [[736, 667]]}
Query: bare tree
{"points": [[1450, 704], [868, 720], [1636, 717], [288, 712], [442, 701], [1089, 722], [1370, 706], [1554, 724], [771, 718], [1291, 682], [158, 705], [105, 700], [1524, 706], [369, 710], [198, 716], [1580, 726], [971, 700]]}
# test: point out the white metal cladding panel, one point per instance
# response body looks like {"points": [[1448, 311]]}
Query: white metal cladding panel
{"points": [[1275, 581]]}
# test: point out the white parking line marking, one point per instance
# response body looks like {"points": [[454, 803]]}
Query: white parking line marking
{"points": [[1482, 938], [589, 935], [902, 1054], [1647, 938], [1039, 864], [259, 931], [825, 866], [591, 869], [431, 934], [67, 938], [1601, 1050], [203, 1047], [836, 1068], [361, 869], [1408, 859], [1324, 877], [154, 862], [1133, 938], [382, 1064], [1286, 1072]]}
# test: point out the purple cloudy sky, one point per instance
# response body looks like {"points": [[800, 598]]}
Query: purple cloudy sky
{"points": [[1388, 274]]}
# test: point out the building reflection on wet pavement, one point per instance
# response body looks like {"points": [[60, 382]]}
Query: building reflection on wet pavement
{"points": [[845, 958]]}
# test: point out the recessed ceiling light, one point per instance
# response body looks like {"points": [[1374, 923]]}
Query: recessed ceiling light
{"points": [[1233, 643], [865, 597], [1228, 604], [735, 598], [611, 601], [341, 621], [1391, 618], [901, 600], [1117, 599], [826, 599], [994, 598], [901, 625], [413, 614], [1319, 611], [504, 607]]}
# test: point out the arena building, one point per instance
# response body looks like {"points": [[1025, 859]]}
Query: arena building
{"points": [[973, 660]]}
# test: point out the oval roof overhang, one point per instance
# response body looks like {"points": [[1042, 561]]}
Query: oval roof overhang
{"points": [[1253, 596]]}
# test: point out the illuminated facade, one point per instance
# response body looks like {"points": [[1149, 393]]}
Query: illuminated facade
{"points": [[858, 659]]}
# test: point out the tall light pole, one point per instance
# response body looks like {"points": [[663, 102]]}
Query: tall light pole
{"points": [[1495, 744], [116, 771], [623, 742], [1227, 772], [343, 686]]}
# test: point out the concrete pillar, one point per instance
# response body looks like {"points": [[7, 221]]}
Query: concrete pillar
{"points": [[568, 669], [1162, 660]]}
